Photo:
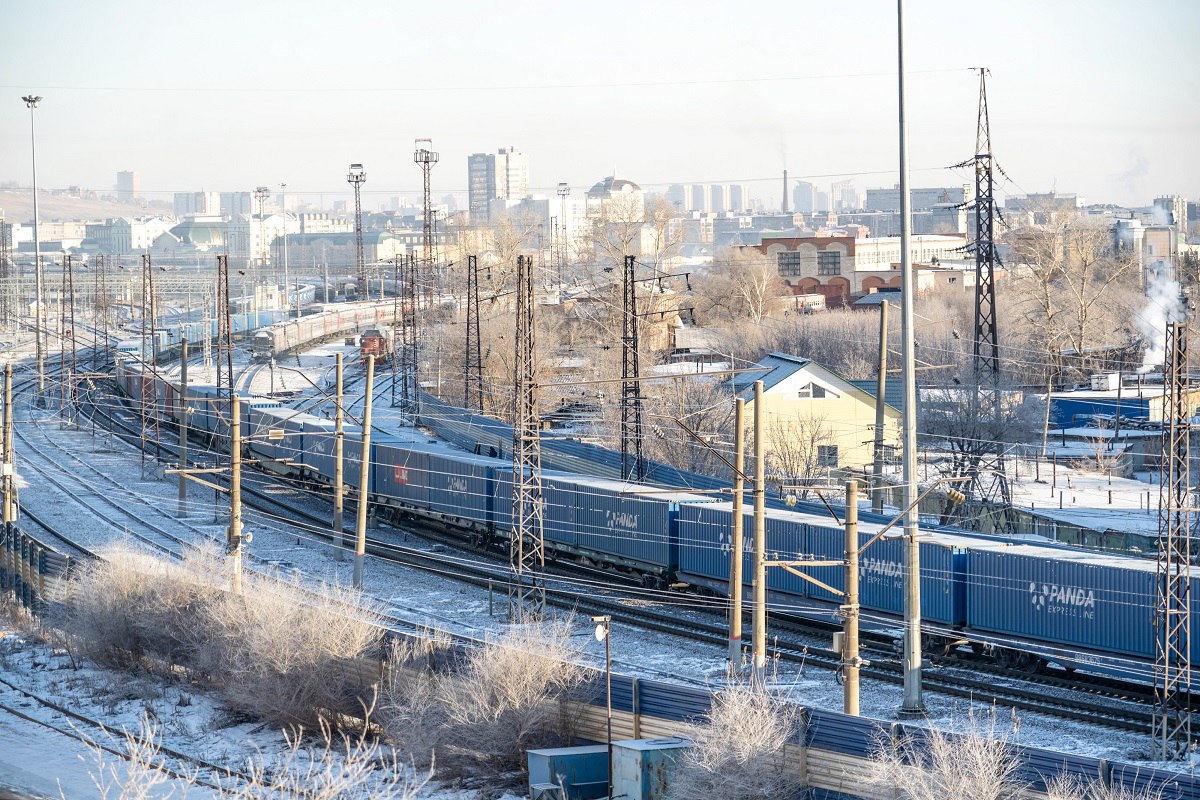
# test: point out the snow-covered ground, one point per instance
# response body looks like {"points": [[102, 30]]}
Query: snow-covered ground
{"points": [[410, 594]]}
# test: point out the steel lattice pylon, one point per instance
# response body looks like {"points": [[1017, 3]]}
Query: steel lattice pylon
{"points": [[985, 342], [527, 593], [357, 176], [224, 385], [406, 345], [633, 463], [425, 157], [1172, 667], [473, 363], [6, 273]]}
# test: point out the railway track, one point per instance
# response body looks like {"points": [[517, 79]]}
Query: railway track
{"points": [[1104, 703]]}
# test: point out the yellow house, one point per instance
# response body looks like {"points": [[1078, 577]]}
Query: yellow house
{"points": [[815, 419]]}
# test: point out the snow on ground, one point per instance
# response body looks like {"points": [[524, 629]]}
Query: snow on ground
{"points": [[423, 598]]}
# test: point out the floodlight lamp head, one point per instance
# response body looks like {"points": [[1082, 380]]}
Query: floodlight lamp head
{"points": [[357, 174], [32, 100]]}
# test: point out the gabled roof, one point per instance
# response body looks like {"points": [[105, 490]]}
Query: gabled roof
{"points": [[775, 367], [893, 393]]}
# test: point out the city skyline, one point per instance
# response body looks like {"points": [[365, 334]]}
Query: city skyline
{"points": [[678, 99]]}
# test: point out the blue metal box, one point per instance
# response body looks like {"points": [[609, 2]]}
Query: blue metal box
{"points": [[642, 768], [581, 771]]}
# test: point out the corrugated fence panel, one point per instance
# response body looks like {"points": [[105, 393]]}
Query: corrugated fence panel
{"points": [[673, 702], [857, 736], [1169, 785]]}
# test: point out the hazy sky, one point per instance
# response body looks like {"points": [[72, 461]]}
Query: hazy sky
{"points": [[1096, 97]]}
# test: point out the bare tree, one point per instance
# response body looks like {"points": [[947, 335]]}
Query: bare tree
{"points": [[796, 449], [741, 285]]}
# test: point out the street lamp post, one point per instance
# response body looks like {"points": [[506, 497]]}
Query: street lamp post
{"points": [[31, 101], [604, 631]]}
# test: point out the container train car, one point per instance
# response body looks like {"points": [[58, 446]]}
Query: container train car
{"points": [[1025, 605], [166, 342]]}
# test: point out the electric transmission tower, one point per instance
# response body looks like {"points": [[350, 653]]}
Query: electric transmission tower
{"points": [[527, 594], [989, 475], [1172, 666], [357, 176], [633, 463], [149, 360], [473, 363], [406, 346], [425, 157]]}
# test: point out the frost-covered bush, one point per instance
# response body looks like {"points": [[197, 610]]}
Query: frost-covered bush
{"points": [[739, 753]]}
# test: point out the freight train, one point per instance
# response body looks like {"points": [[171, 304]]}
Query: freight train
{"points": [[1021, 604], [330, 320]]}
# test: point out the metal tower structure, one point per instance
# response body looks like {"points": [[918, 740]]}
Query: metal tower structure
{"points": [[473, 363], [527, 594], [425, 157], [357, 176], [261, 194], [406, 344], [1172, 668], [985, 342], [564, 191], [6, 274], [633, 463], [149, 425], [71, 368], [100, 298]]}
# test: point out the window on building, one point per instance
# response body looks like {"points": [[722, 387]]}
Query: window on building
{"points": [[815, 391], [829, 263], [827, 455], [790, 265]]}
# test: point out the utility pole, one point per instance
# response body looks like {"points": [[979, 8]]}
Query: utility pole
{"points": [[760, 540], [7, 274], [1172, 722], [339, 481], [224, 385], [913, 703], [69, 331], [9, 500], [357, 177], [737, 539], [360, 547], [425, 157], [473, 363], [850, 659], [877, 481], [183, 426], [235, 492], [39, 325], [62, 343], [527, 593], [633, 464], [287, 287], [564, 191]]}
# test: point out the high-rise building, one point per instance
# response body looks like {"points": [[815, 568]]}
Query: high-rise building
{"points": [[678, 195], [804, 197], [197, 204], [700, 198], [500, 176], [1174, 212], [719, 194], [739, 197], [129, 186], [843, 196], [234, 203]]}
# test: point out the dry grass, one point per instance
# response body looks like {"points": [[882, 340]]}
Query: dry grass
{"points": [[739, 753], [974, 763], [283, 652], [1075, 789], [503, 701]]}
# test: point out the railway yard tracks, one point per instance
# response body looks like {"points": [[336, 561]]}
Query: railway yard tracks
{"points": [[122, 509]]}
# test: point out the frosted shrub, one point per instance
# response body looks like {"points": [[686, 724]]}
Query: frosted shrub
{"points": [[739, 753], [503, 701]]}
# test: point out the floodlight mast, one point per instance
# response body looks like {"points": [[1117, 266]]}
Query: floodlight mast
{"points": [[357, 176]]}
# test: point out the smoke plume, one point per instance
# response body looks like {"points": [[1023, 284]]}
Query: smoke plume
{"points": [[1163, 306]]}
